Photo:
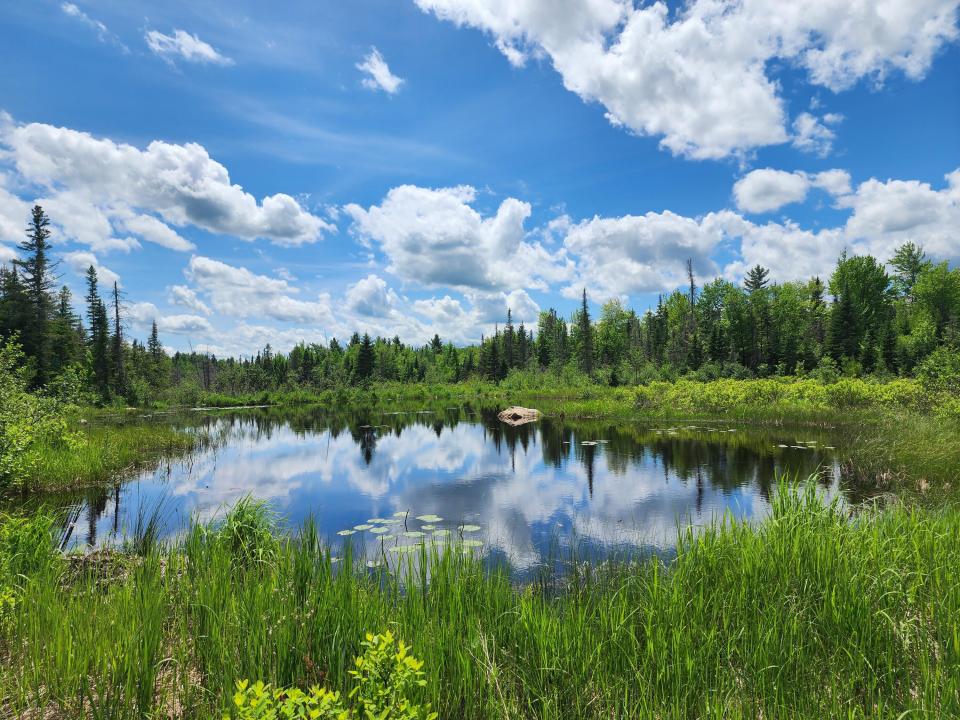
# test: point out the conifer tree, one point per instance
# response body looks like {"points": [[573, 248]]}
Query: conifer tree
{"points": [[38, 281], [365, 360], [756, 279], [117, 365], [585, 336], [98, 338]]}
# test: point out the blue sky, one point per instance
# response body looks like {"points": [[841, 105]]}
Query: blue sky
{"points": [[255, 172]]}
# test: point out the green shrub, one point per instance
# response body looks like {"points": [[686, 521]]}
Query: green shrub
{"points": [[249, 532], [28, 422], [386, 678]]}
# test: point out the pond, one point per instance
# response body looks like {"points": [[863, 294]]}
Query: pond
{"points": [[385, 480]]}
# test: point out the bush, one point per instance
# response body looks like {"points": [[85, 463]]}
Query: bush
{"points": [[940, 372], [387, 678], [27, 421]]}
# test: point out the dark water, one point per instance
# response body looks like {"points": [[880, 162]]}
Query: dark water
{"points": [[597, 486]]}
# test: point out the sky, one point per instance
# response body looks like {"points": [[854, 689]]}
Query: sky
{"points": [[253, 173]]}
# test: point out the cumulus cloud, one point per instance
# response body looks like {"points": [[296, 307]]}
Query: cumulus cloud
{"points": [[642, 253], [186, 297], [434, 237], [699, 77], [887, 214], [14, 214], [98, 186], [184, 46], [812, 134], [370, 296], [238, 292], [80, 261], [378, 73], [767, 189]]}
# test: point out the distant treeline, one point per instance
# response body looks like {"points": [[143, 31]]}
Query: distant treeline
{"points": [[867, 318]]}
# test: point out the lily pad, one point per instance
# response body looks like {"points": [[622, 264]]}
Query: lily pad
{"points": [[472, 543], [344, 533], [468, 528], [441, 533], [380, 530], [364, 526], [404, 548], [413, 534], [401, 513], [588, 442], [428, 527], [377, 521], [429, 518]]}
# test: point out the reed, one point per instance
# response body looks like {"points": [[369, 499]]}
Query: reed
{"points": [[810, 614]]}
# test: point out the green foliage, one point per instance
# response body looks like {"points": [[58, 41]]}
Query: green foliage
{"points": [[248, 532], [940, 372], [261, 702], [386, 680], [387, 677], [28, 422]]}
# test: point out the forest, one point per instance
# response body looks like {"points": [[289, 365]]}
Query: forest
{"points": [[867, 318]]}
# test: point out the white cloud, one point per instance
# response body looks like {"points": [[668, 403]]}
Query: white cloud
{"points": [[493, 308], [184, 46], [767, 189], [642, 253], [184, 325], [378, 73], [887, 214], [152, 230], [186, 297], [699, 76], [812, 135], [370, 296], [434, 237], [103, 32], [80, 261], [97, 182], [14, 214], [237, 292]]}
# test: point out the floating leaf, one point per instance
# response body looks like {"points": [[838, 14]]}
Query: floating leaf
{"points": [[373, 563], [588, 442], [358, 528], [377, 521], [401, 513], [413, 534], [428, 527], [472, 543], [429, 518], [441, 533], [380, 530], [468, 528], [404, 548], [344, 533]]}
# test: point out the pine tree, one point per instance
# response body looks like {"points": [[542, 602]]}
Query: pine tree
{"points": [[15, 308], [757, 278], [157, 358], [365, 360], [98, 338], [585, 334], [841, 337], [908, 262], [509, 341], [38, 280]]}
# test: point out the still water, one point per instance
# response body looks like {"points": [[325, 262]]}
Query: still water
{"points": [[516, 493]]}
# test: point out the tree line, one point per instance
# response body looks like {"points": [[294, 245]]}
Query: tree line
{"points": [[865, 318]]}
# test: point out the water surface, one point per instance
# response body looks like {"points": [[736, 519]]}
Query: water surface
{"points": [[595, 486]]}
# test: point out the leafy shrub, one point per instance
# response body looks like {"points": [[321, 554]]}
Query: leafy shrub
{"points": [[28, 422], [386, 678], [940, 372]]}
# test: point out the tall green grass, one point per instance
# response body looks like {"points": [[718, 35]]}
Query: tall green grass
{"points": [[105, 451], [810, 614]]}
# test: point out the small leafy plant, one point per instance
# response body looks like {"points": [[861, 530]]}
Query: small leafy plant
{"points": [[386, 677]]}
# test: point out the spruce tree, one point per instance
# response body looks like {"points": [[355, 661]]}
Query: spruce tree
{"points": [[38, 281], [365, 360], [585, 333], [98, 338]]}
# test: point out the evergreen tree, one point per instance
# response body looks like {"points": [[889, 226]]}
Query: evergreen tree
{"points": [[509, 342], [98, 337], [38, 281], [756, 279], [585, 337], [365, 360]]}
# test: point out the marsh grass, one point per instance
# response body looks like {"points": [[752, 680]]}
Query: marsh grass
{"points": [[105, 451], [809, 614]]}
